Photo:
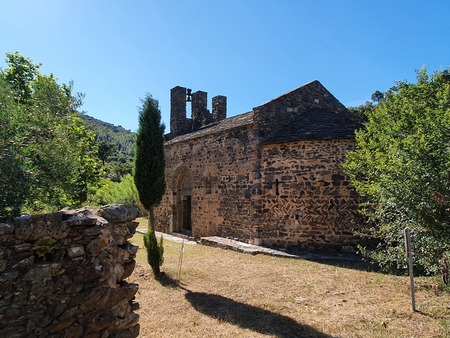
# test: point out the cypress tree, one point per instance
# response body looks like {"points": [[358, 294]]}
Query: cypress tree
{"points": [[149, 172]]}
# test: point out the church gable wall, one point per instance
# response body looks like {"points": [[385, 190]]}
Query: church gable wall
{"points": [[307, 200], [277, 115]]}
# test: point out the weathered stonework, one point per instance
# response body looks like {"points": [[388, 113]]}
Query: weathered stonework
{"points": [[210, 173], [307, 199], [272, 176], [180, 124], [62, 274]]}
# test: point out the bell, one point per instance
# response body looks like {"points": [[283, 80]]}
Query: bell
{"points": [[188, 95]]}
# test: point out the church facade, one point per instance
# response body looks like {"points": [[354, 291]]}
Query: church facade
{"points": [[272, 176]]}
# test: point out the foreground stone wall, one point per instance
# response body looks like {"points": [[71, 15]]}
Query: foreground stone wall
{"points": [[62, 274]]}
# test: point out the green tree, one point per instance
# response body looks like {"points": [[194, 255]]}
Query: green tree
{"points": [[14, 177], [105, 149], [47, 155], [20, 74], [360, 112], [149, 171], [83, 166], [115, 147], [401, 168], [377, 96]]}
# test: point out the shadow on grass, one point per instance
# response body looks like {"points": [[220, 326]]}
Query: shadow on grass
{"points": [[167, 281], [243, 315], [343, 260], [249, 317], [353, 264]]}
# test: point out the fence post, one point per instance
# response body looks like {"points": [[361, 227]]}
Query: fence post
{"points": [[180, 261], [409, 258]]}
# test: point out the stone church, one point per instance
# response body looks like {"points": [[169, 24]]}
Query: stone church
{"points": [[272, 176]]}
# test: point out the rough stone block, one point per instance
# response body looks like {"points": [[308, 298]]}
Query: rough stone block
{"points": [[75, 251], [6, 229], [32, 228], [22, 247], [3, 265], [38, 273], [28, 261], [118, 213]]}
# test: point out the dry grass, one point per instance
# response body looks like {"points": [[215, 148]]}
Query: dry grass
{"points": [[223, 293]]}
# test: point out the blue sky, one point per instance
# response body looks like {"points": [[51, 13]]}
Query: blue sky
{"points": [[248, 50]]}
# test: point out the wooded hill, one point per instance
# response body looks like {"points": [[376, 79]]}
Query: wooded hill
{"points": [[116, 146]]}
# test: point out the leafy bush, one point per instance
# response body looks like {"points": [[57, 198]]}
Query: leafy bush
{"points": [[123, 192], [155, 251], [401, 167]]}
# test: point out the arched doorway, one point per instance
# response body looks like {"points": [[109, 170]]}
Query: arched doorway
{"points": [[182, 201]]}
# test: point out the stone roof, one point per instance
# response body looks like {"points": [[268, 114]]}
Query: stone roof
{"points": [[217, 127], [316, 124], [309, 112]]}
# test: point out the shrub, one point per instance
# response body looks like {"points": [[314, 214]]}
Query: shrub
{"points": [[155, 251]]}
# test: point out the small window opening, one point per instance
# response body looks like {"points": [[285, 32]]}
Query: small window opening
{"points": [[277, 189], [208, 185]]}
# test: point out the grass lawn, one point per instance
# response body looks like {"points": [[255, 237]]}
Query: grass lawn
{"points": [[222, 293]]}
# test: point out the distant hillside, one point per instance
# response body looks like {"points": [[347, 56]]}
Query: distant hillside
{"points": [[117, 135], [120, 140], [91, 120]]}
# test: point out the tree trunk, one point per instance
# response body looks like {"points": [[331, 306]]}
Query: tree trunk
{"points": [[151, 218]]}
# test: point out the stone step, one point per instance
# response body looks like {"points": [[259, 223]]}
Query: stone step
{"points": [[178, 238], [235, 245]]}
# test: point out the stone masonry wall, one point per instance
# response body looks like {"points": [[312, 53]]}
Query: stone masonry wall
{"points": [[200, 116], [272, 176], [307, 200], [292, 194], [225, 191], [62, 274]]}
